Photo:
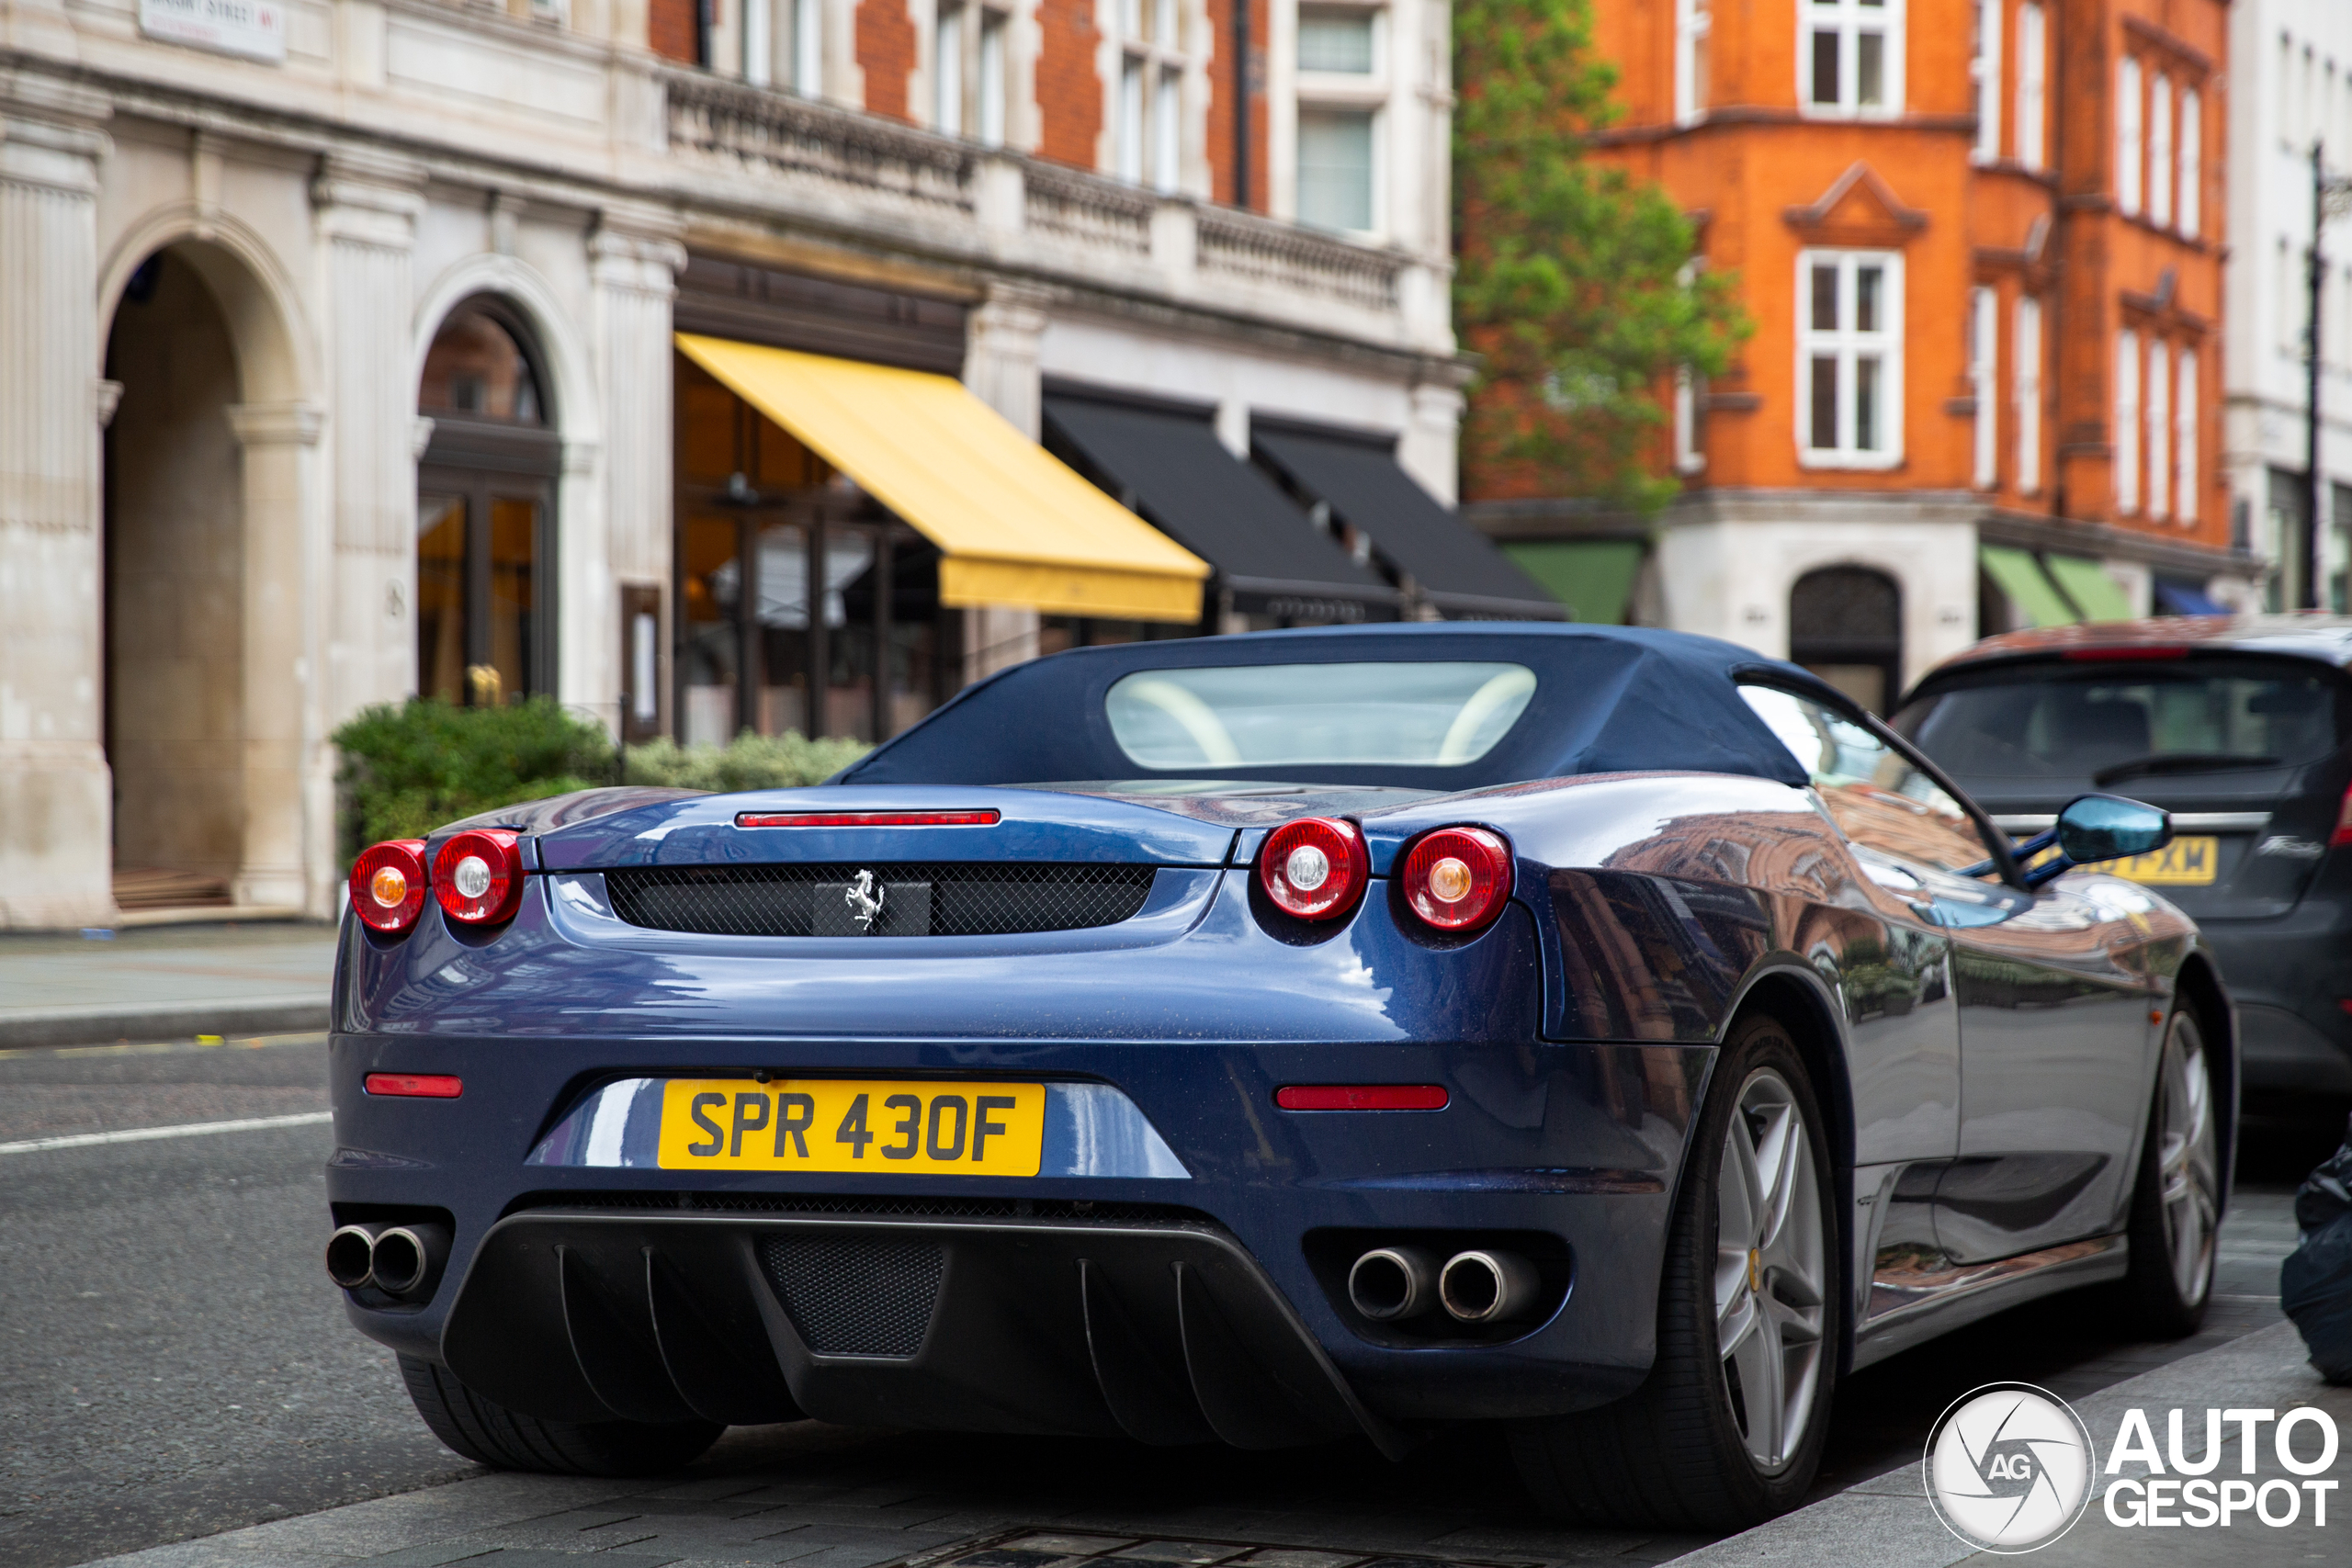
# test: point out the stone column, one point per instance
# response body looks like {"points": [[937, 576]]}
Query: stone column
{"points": [[635, 259], [365, 208], [1432, 434], [56, 817], [286, 848], [1001, 368]]}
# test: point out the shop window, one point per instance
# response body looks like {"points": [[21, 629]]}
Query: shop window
{"points": [[1849, 59], [801, 604], [485, 514], [1850, 358]]}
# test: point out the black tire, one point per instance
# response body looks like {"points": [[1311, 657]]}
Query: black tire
{"points": [[1675, 1453], [2169, 1284], [490, 1434]]}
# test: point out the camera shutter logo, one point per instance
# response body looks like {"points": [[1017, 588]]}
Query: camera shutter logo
{"points": [[2008, 1467]]}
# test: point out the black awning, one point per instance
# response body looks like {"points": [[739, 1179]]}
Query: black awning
{"points": [[1456, 568], [1170, 467]]}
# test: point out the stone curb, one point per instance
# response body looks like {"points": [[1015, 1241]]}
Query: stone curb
{"points": [[293, 1014]]}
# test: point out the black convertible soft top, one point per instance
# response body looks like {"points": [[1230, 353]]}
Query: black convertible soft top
{"points": [[1608, 699]]}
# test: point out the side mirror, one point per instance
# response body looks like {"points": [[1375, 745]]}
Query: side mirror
{"points": [[2108, 826]]}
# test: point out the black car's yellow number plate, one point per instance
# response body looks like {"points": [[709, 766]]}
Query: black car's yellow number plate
{"points": [[888, 1128], [2185, 862]]}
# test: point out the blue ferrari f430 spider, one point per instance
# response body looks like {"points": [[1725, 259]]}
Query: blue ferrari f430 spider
{"points": [[1266, 1040]]}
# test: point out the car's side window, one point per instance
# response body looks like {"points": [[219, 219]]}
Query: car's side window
{"points": [[1877, 797]]}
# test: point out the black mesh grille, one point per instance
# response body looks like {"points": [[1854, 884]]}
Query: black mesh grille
{"points": [[911, 1207], [916, 899], [855, 1296]]}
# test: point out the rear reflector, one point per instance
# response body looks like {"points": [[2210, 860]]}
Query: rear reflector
{"points": [[417, 1086], [1361, 1097], [865, 819], [2100, 655]]}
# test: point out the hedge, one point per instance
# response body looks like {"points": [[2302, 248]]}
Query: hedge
{"points": [[410, 767]]}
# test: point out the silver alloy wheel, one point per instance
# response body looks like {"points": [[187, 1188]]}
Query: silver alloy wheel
{"points": [[1771, 1267], [2188, 1169]]}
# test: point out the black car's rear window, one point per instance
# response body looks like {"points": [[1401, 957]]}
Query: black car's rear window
{"points": [[2076, 720]]}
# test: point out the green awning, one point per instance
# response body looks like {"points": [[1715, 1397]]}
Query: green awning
{"points": [[2028, 586], [2098, 595], [1594, 578]]}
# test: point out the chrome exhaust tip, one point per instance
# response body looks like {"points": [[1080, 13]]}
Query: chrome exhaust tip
{"points": [[407, 1260], [351, 1256], [1391, 1283], [1486, 1286]]}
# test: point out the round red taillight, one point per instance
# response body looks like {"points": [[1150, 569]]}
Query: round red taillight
{"points": [[1456, 879], [388, 885], [478, 877], [1315, 869]]}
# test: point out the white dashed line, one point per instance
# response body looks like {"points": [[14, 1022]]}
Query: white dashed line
{"points": [[185, 1130]]}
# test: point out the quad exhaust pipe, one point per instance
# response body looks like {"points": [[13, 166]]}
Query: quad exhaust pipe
{"points": [[404, 1261], [1483, 1285]]}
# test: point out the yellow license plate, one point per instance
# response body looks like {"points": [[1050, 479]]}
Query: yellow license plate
{"points": [[888, 1128], [2189, 861]]}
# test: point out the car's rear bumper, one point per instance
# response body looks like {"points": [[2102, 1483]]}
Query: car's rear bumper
{"points": [[1163, 1330], [2289, 978]]}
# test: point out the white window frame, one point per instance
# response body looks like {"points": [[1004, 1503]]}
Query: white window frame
{"points": [[2127, 421], [1695, 27], [1851, 20], [2033, 86], [2025, 378], [950, 22], [995, 85], [2156, 415], [1849, 347], [2191, 132], [1152, 59], [1983, 355], [2129, 152], [1985, 71], [2185, 441], [2160, 150], [971, 93]]}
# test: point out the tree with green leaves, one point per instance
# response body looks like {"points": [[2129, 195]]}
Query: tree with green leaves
{"points": [[1572, 282]]}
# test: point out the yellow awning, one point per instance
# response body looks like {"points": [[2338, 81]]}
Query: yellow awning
{"points": [[1014, 524]]}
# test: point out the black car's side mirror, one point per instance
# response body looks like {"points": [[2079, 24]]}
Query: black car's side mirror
{"points": [[2096, 828]]}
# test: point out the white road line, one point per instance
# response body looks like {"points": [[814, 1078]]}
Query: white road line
{"points": [[185, 1130]]}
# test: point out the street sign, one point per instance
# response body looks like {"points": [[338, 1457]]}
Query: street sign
{"points": [[253, 28]]}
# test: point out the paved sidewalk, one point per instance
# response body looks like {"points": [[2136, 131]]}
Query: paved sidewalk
{"points": [[165, 983]]}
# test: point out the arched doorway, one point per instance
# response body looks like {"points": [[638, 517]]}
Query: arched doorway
{"points": [[175, 592], [211, 733], [1846, 626], [485, 512]]}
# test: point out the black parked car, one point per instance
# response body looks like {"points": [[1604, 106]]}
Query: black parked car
{"points": [[2239, 728]]}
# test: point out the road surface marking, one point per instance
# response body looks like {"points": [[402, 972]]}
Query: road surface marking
{"points": [[185, 1130]]}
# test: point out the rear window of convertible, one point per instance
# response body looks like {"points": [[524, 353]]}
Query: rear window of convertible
{"points": [[1250, 715]]}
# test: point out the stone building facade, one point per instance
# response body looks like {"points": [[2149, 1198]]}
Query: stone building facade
{"points": [[340, 341]]}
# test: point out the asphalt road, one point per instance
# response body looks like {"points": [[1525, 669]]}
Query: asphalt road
{"points": [[173, 1365]]}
